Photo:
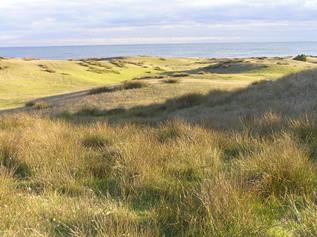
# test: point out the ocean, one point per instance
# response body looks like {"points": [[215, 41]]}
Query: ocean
{"points": [[208, 50]]}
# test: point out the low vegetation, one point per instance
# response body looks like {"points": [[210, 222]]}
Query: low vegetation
{"points": [[38, 104], [301, 57], [171, 80], [196, 161], [176, 179], [40, 78], [127, 85]]}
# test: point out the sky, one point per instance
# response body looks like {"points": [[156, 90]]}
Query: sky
{"points": [[94, 22]]}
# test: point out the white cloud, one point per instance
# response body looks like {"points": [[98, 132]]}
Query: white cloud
{"points": [[24, 22]]}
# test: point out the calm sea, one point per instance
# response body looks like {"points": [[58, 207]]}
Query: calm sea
{"points": [[210, 50]]}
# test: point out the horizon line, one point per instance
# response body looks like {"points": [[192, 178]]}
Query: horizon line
{"points": [[162, 43]]}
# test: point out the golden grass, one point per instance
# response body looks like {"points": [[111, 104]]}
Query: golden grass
{"points": [[168, 159], [176, 179], [22, 80]]}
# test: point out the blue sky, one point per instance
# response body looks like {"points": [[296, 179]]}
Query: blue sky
{"points": [[80, 22]]}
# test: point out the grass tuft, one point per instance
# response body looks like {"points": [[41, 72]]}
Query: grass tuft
{"points": [[186, 101], [278, 169], [134, 85], [38, 104], [171, 81], [95, 142]]}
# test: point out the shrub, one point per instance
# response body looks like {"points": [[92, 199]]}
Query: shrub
{"points": [[29, 104], [301, 57], [38, 104], [134, 85], [180, 75], [171, 81], [148, 77], [41, 105], [125, 86], [100, 90]]}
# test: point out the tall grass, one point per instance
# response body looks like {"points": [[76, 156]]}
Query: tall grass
{"points": [[175, 179]]}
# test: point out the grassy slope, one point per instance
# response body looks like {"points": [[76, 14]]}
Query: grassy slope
{"points": [[244, 163], [23, 80]]}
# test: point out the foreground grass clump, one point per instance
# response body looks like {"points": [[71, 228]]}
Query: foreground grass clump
{"points": [[278, 170], [174, 179]]}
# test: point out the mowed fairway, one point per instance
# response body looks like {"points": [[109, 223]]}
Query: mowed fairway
{"points": [[22, 80]]}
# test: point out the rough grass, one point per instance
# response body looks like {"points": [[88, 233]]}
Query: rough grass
{"points": [[171, 81], [223, 163], [134, 85], [175, 179], [37, 104]]}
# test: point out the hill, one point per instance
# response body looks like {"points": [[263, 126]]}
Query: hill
{"points": [[26, 79], [22, 80]]}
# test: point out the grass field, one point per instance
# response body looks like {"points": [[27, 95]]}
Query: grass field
{"points": [[196, 147], [22, 80]]}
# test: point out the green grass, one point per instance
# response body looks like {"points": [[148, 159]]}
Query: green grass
{"points": [[24, 80]]}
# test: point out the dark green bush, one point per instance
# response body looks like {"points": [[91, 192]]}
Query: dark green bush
{"points": [[301, 57]]}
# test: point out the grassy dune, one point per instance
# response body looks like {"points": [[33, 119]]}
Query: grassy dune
{"points": [[22, 80], [215, 150]]}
